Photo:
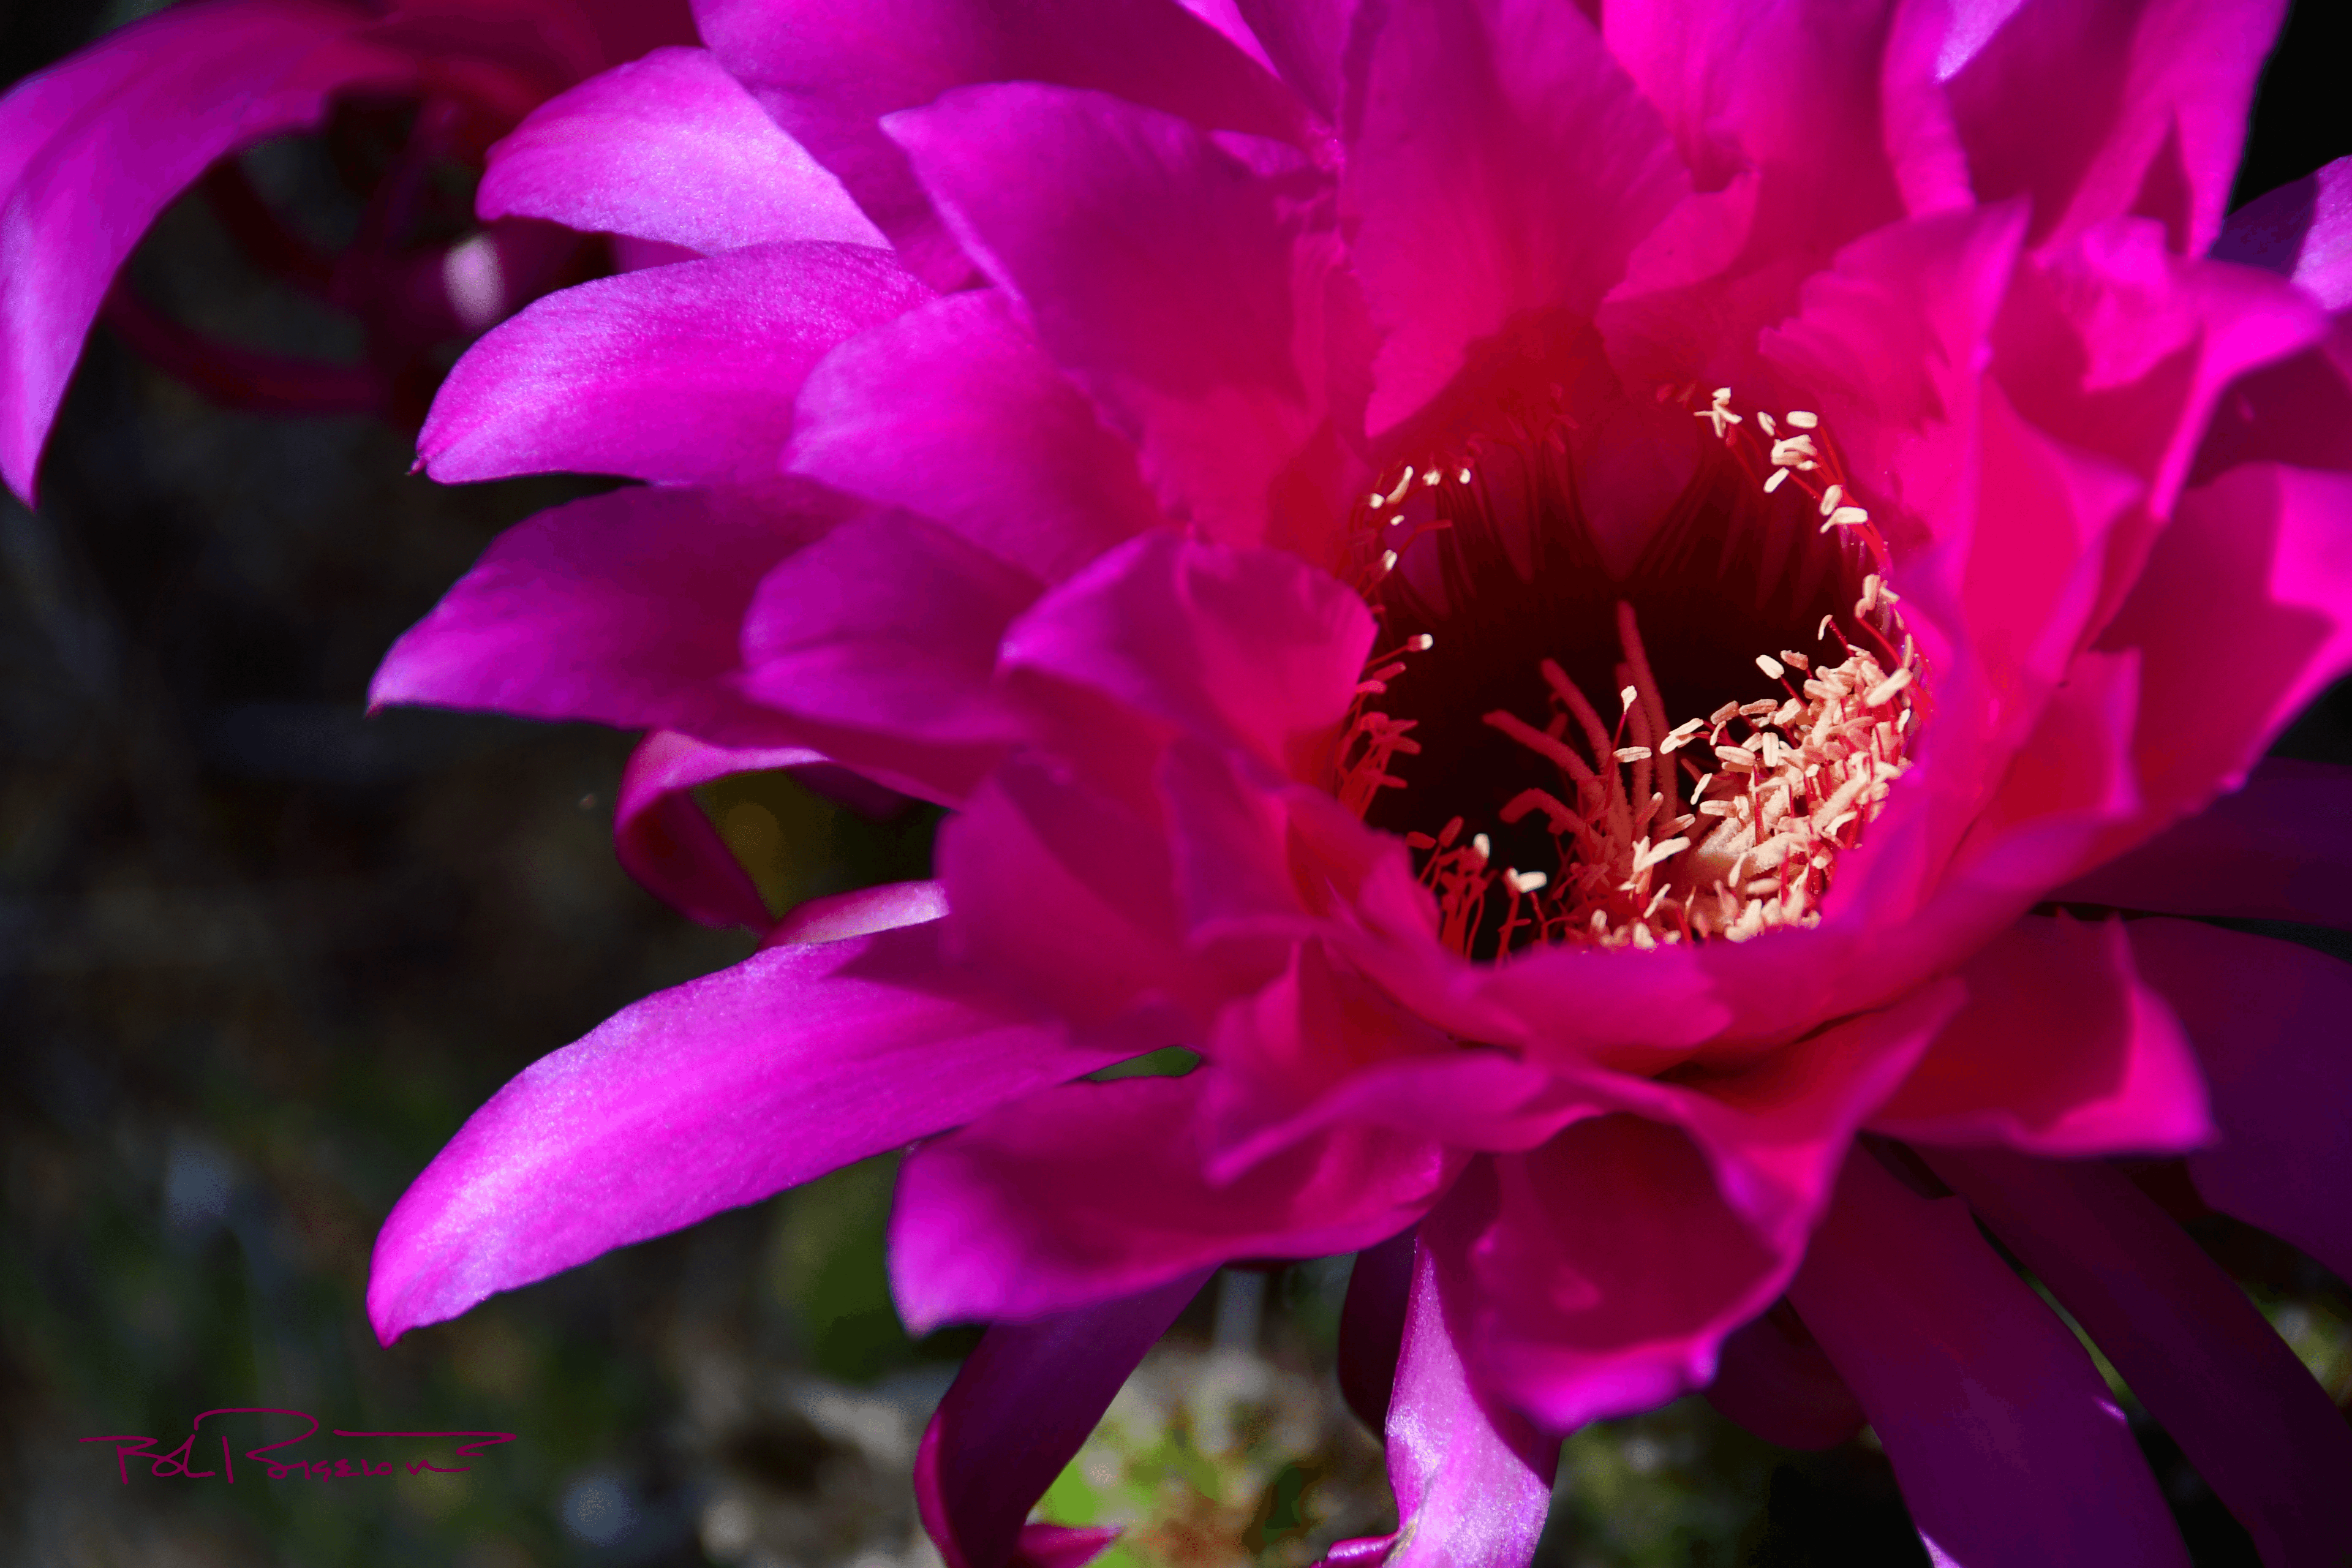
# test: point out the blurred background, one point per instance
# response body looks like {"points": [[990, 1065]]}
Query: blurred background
{"points": [[261, 954]]}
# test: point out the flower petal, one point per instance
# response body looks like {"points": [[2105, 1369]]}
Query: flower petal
{"points": [[2261, 1431], [2062, 1049], [715, 1093], [954, 411], [2113, 344], [1095, 1191], [2279, 849], [1304, 39], [1774, 1380], [889, 624], [1063, 892], [680, 374], [1582, 1310], [2099, 107], [1246, 646], [1976, 1389], [1371, 1327], [1157, 270], [1500, 162], [666, 841], [2302, 230], [1022, 1405], [2242, 615], [882, 906], [1473, 1480], [2267, 1020], [829, 71], [667, 148], [621, 608], [84, 170]]}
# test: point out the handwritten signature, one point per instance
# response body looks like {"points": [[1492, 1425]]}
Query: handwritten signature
{"points": [[180, 1462]]}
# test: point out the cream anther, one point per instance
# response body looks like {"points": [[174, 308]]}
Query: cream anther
{"points": [[1803, 420], [1772, 667]]}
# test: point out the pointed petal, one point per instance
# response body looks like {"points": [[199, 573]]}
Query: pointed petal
{"points": [[1473, 1479], [887, 623], [2099, 107], [717, 1093], [680, 374], [667, 148], [1252, 646], [2261, 1431], [1157, 270], [2267, 1020], [830, 72], [2279, 849], [622, 608], [1371, 1327], [2062, 1049], [667, 842], [1095, 1191], [1505, 127], [955, 412], [83, 170], [1978, 1390], [1020, 1407]]}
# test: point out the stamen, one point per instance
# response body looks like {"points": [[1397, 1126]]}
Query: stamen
{"points": [[1725, 826]]}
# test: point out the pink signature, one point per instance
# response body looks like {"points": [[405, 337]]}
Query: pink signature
{"points": [[181, 1461]]}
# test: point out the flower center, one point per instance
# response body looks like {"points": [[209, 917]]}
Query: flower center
{"points": [[1758, 693]]}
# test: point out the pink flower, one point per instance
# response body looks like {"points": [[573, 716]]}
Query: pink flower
{"points": [[1551, 599], [92, 149]]}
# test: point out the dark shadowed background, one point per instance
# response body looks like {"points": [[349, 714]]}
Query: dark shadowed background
{"points": [[260, 955]]}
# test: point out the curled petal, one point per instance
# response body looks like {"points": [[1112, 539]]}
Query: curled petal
{"points": [[1976, 1389], [2062, 1049], [666, 840], [83, 170], [1020, 1407], [2262, 1433], [667, 148], [2267, 1020], [703, 356], [718, 1092]]}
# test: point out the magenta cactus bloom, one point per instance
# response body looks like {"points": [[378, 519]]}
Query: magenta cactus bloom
{"points": [[92, 149], [1592, 613]]}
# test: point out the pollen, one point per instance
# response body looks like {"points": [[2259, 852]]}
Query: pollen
{"points": [[1664, 829]]}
